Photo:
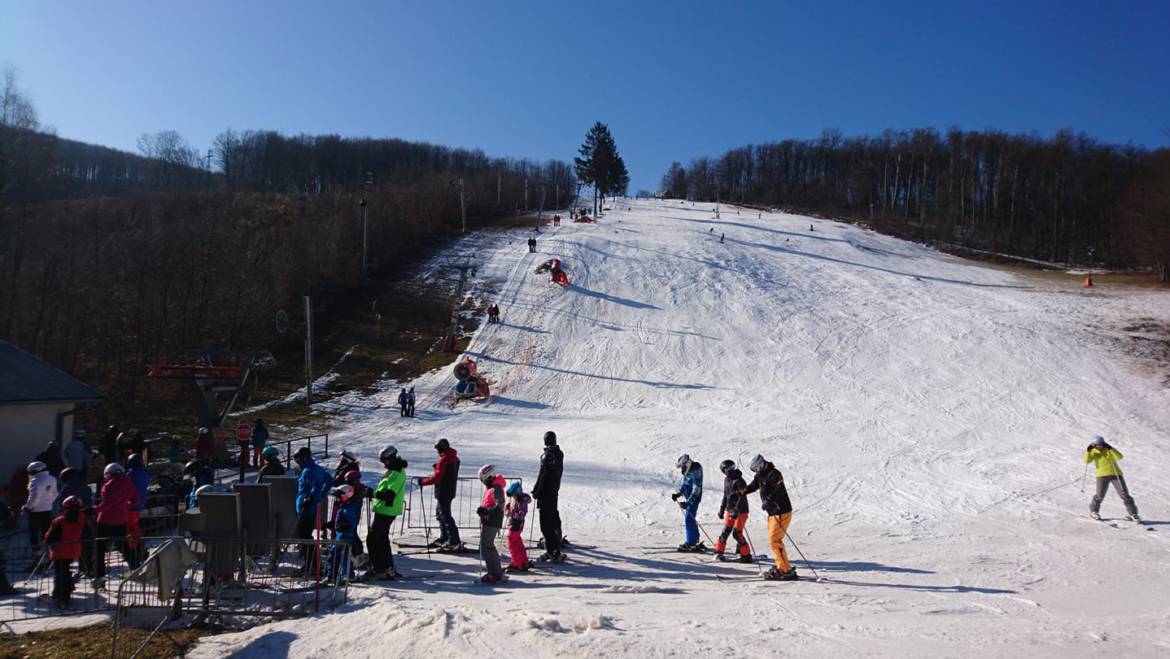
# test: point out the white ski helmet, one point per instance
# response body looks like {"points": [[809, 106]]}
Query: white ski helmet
{"points": [[684, 462], [486, 473], [387, 453], [36, 467], [343, 492], [113, 469], [757, 463], [347, 455]]}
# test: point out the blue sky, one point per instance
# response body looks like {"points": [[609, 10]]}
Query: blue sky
{"points": [[673, 79]]}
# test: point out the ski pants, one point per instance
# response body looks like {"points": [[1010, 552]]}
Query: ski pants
{"points": [[339, 562], [307, 522], [448, 531], [691, 524], [106, 534], [378, 542], [550, 525], [62, 579], [133, 531], [517, 554], [38, 526], [733, 526], [777, 527], [1122, 491], [487, 550]]}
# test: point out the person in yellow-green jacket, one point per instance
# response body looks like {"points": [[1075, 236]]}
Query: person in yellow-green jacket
{"points": [[1105, 457], [387, 505]]}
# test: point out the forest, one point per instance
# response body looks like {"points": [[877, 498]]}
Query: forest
{"points": [[110, 261], [1065, 199]]}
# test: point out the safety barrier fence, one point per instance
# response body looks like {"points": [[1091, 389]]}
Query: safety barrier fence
{"points": [[420, 507], [317, 444]]}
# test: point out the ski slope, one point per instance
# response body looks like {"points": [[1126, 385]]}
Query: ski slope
{"points": [[929, 415]]}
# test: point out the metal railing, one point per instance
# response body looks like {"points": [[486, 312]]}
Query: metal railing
{"points": [[419, 509], [318, 445]]}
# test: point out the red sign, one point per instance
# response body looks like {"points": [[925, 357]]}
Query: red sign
{"points": [[244, 432]]}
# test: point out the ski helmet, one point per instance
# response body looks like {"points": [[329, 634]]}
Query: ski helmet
{"points": [[514, 489], [302, 455], [684, 462], [353, 476], [550, 438], [342, 492], [204, 489], [67, 474], [113, 469], [191, 468], [270, 452], [387, 453], [757, 463], [346, 455], [726, 466], [486, 473], [1098, 440], [203, 431], [71, 502], [442, 444], [36, 467], [135, 460]]}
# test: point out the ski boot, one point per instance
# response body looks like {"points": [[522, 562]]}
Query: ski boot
{"points": [[745, 558], [441, 542], [1095, 515], [452, 548], [721, 557], [491, 578], [1134, 518], [518, 568], [776, 575], [687, 547]]}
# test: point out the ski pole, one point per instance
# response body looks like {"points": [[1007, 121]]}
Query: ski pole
{"points": [[807, 564], [422, 504], [752, 549], [1085, 477], [696, 521]]}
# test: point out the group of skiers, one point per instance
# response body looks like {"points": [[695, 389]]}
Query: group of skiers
{"points": [[532, 245], [406, 402], [734, 510], [493, 313]]}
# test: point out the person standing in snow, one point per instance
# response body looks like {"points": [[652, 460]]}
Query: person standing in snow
{"points": [[311, 486], [68, 537], [1105, 458], [733, 512], [109, 444], [410, 402], [402, 402], [547, 491], [445, 479], [259, 441], [51, 456], [137, 473], [272, 465], [343, 526], [204, 447], [516, 510], [690, 491], [118, 495], [388, 505], [77, 453], [346, 462], [42, 494], [774, 500], [491, 519]]}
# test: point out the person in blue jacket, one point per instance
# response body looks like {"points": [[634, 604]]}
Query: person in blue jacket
{"points": [[202, 474], [346, 514], [136, 471], [311, 486], [688, 496], [259, 442]]}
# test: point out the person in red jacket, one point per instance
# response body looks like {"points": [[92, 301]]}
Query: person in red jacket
{"points": [[118, 496], [68, 536], [203, 446], [445, 479]]}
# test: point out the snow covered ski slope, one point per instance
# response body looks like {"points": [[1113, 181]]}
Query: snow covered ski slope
{"points": [[929, 415]]}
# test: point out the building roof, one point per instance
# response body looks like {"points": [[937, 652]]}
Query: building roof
{"points": [[24, 379]]}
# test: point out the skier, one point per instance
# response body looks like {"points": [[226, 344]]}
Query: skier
{"points": [[402, 402], [137, 473], [109, 444], [343, 526], [68, 538], [73, 484], [774, 500], [691, 493], [272, 465], [118, 495], [346, 462], [491, 518], [200, 473], [516, 510], [77, 453], [203, 445], [546, 492], [721, 237], [388, 504], [733, 511], [310, 488], [1105, 458], [445, 479], [51, 456], [259, 441], [42, 493], [410, 402]]}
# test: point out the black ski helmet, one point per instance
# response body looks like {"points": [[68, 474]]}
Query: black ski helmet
{"points": [[550, 438], [726, 466], [302, 455], [442, 444]]}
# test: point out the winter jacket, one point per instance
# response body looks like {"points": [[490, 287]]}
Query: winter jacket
{"points": [[345, 519], [270, 468], [203, 447], [42, 493], [388, 499], [773, 495], [109, 445], [65, 537], [733, 501], [446, 476], [260, 436], [491, 511], [77, 455], [1106, 459], [516, 510], [76, 487], [205, 476], [691, 488], [141, 479], [311, 485], [51, 456], [548, 480], [118, 496], [402, 399]]}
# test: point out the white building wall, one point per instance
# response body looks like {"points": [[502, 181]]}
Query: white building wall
{"points": [[26, 429]]}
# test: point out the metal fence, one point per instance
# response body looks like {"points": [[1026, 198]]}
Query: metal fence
{"points": [[318, 445], [419, 509]]}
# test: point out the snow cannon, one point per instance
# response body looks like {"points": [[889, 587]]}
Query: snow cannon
{"points": [[465, 370], [558, 273]]}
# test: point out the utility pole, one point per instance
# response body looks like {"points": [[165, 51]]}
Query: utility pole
{"points": [[308, 351], [463, 265], [558, 196], [526, 193], [499, 183], [458, 183], [366, 223], [209, 170]]}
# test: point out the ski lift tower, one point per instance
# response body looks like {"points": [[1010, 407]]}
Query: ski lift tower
{"points": [[466, 267]]}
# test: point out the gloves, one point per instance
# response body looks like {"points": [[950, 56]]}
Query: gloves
{"points": [[386, 497], [676, 495], [682, 505], [719, 515], [480, 511]]}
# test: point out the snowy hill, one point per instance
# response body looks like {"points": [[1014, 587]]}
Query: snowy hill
{"points": [[929, 415]]}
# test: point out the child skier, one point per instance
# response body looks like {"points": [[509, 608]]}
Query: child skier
{"points": [[388, 504], [774, 500], [491, 517], [272, 465], [1105, 457], [344, 528], [68, 538], [691, 493], [516, 510], [733, 511], [42, 493]]}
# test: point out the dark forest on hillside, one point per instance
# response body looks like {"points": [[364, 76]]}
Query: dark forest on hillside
{"points": [[1065, 199]]}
